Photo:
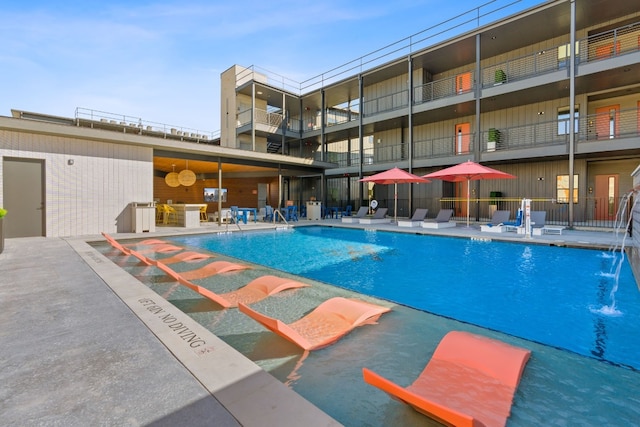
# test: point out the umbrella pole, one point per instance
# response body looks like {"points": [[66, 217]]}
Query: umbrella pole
{"points": [[395, 206], [468, 197]]}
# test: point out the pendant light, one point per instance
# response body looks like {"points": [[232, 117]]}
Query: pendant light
{"points": [[171, 179], [187, 177]]}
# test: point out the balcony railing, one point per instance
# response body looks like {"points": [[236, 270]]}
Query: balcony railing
{"points": [[385, 103], [443, 88], [615, 42], [442, 147], [263, 117], [610, 125]]}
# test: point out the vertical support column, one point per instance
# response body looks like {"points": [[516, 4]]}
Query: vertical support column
{"points": [[322, 125], [253, 116], [219, 192], [410, 129], [572, 107], [360, 128], [284, 122], [477, 142]]}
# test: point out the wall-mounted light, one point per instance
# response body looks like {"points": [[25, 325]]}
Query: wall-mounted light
{"points": [[70, 162]]}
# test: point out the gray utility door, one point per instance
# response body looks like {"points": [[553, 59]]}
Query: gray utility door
{"points": [[23, 194]]}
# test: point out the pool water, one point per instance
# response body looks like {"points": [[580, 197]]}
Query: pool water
{"points": [[558, 387], [555, 296]]}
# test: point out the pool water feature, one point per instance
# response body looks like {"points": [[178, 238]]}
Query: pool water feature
{"points": [[557, 388], [554, 296]]}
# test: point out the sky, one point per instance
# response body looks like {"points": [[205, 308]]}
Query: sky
{"points": [[161, 60]]}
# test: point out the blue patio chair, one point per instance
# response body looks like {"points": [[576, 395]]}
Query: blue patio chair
{"points": [[347, 211], [234, 214], [292, 213], [268, 213]]}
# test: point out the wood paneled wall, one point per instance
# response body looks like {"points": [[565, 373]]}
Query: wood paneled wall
{"points": [[240, 192]]}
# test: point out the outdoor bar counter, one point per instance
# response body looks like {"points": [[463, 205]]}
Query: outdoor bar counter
{"points": [[188, 214]]}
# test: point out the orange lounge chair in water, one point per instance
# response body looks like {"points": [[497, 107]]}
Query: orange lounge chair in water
{"points": [[469, 381], [148, 242], [259, 289], [326, 324], [161, 248], [211, 269], [253, 291], [186, 256]]}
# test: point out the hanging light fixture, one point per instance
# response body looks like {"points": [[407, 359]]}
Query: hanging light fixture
{"points": [[171, 179], [187, 177]]}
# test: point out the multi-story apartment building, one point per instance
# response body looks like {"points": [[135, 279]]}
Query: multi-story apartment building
{"points": [[512, 94], [545, 94]]}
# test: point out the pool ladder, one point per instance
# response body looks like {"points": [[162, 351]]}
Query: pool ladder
{"points": [[235, 221]]}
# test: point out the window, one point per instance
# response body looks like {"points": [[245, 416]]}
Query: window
{"points": [[564, 118], [562, 189], [564, 53]]}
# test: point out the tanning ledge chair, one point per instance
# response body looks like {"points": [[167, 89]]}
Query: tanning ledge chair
{"points": [[378, 218], [355, 218], [497, 222], [326, 324], [254, 291], [469, 381], [418, 216], [442, 220]]}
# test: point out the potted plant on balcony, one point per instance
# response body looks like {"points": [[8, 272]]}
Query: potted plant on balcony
{"points": [[493, 139], [3, 212]]}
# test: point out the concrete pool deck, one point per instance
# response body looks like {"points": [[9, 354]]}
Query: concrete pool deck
{"points": [[83, 342]]}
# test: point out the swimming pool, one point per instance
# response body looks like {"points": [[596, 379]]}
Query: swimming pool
{"points": [[542, 293], [557, 388]]}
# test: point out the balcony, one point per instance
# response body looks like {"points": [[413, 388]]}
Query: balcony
{"points": [[444, 88]]}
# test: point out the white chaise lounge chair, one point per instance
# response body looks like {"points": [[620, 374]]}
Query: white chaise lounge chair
{"points": [[497, 222], [418, 216], [378, 218], [442, 220], [538, 226], [362, 212]]}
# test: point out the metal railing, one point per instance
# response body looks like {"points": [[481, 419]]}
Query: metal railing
{"points": [[443, 88], [262, 117], [442, 147], [610, 125], [390, 102], [131, 124], [589, 213]]}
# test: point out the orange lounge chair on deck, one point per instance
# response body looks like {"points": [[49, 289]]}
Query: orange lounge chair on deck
{"points": [[326, 324], [469, 381]]}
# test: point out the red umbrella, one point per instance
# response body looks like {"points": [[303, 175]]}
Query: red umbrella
{"points": [[394, 176], [468, 171]]}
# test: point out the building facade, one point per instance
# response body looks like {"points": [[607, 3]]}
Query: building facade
{"points": [[512, 94]]}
